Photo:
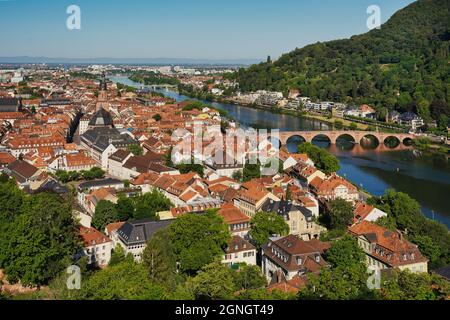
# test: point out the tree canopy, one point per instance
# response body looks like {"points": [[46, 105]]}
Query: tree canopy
{"points": [[431, 236], [266, 224], [322, 159], [38, 235], [198, 239], [402, 66]]}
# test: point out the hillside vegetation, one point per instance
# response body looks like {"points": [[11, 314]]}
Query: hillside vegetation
{"points": [[402, 66]]}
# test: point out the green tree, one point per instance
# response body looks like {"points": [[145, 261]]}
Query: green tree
{"points": [[403, 285], [322, 159], [198, 239], [157, 117], [105, 213], [124, 281], [345, 252], [237, 175], [251, 171], [408, 217], [346, 279], [118, 256], [340, 214], [148, 204], [97, 173], [249, 277], [190, 167], [41, 240], [214, 281], [338, 124], [266, 224], [136, 149], [160, 260], [125, 208], [353, 126]]}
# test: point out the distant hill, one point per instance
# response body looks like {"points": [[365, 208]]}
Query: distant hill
{"points": [[404, 65]]}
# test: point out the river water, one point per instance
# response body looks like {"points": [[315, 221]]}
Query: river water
{"points": [[426, 178]]}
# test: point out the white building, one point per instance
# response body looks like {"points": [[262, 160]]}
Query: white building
{"points": [[239, 250], [96, 246], [133, 235]]}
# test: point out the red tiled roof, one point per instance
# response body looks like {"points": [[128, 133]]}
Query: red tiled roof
{"points": [[92, 236], [110, 228], [390, 247], [231, 214]]}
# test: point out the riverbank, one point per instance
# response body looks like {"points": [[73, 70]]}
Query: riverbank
{"points": [[425, 177]]}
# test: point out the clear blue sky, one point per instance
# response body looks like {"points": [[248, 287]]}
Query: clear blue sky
{"points": [[204, 29]]}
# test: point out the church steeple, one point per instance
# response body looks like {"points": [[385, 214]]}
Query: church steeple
{"points": [[103, 83], [102, 95]]}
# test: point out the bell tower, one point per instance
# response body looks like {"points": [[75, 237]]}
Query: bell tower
{"points": [[102, 95]]}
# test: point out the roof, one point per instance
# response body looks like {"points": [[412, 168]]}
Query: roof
{"points": [[231, 214], [101, 137], [408, 116], [293, 254], [92, 236], [110, 228], [252, 192], [284, 207], [329, 185], [52, 186], [444, 272], [388, 246], [140, 231], [238, 244], [120, 155], [22, 170], [101, 118], [362, 210], [6, 158], [9, 102], [293, 285], [99, 183]]}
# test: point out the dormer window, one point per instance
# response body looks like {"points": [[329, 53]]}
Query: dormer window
{"points": [[299, 261], [317, 258]]}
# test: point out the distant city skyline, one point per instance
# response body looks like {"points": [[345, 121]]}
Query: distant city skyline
{"points": [[198, 30]]}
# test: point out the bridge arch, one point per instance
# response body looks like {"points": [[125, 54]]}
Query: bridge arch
{"points": [[321, 139], [392, 142], [293, 141], [369, 141], [346, 140], [407, 141]]}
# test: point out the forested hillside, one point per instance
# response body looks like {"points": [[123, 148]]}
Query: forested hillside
{"points": [[403, 66]]}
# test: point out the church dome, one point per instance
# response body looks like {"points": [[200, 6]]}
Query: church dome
{"points": [[101, 118]]}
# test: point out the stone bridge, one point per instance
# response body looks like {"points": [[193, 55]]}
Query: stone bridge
{"points": [[357, 136]]}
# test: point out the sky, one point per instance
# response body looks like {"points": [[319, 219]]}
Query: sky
{"points": [[199, 29]]}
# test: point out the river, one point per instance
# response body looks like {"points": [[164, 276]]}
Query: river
{"points": [[426, 178]]}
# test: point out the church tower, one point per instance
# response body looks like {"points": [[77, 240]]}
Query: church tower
{"points": [[102, 95]]}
